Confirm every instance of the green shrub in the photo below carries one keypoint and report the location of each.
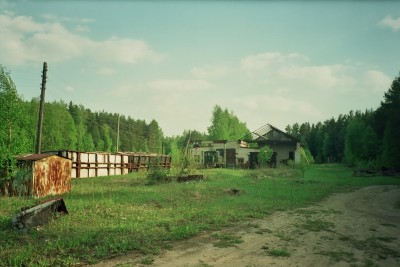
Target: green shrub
(158, 176)
(264, 156)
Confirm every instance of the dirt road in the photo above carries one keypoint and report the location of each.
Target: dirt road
(361, 228)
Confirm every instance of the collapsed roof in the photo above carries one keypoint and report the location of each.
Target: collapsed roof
(269, 134)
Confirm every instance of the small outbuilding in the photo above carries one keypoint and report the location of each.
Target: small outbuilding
(40, 175)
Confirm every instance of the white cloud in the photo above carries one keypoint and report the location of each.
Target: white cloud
(53, 18)
(264, 60)
(390, 22)
(25, 40)
(289, 88)
(78, 24)
(129, 90)
(258, 110)
(81, 28)
(121, 50)
(209, 71)
(106, 71)
(292, 72)
(179, 85)
(321, 77)
(267, 104)
(69, 89)
(377, 81)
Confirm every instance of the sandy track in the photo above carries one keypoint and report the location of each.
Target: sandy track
(361, 228)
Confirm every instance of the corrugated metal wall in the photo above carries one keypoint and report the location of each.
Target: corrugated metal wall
(41, 175)
(52, 176)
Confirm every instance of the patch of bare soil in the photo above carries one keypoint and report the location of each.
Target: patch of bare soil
(361, 228)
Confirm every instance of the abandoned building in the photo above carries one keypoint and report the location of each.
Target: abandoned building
(243, 153)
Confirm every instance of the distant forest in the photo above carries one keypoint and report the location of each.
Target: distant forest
(74, 127)
(369, 138)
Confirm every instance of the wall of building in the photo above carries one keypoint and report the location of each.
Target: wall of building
(23, 182)
(283, 151)
(242, 152)
(42, 175)
(52, 176)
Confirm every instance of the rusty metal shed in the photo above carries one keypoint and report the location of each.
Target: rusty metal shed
(40, 175)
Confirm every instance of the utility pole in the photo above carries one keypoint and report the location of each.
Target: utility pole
(41, 109)
(187, 144)
(118, 132)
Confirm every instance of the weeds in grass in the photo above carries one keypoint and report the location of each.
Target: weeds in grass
(263, 231)
(279, 253)
(317, 226)
(339, 255)
(226, 240)
(203, 264)
(369, 263)
(253, 225)
(377, 249)
(389, 225)
(148, 260)
(345, 238)
(330, 211)
(397, 204)
(386, 239)
(109, 216)
(158, 176)
(126, 264)
(305, 212)
(374, 246)
(283, 236)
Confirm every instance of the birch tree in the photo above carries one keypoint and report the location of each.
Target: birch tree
(13, 138)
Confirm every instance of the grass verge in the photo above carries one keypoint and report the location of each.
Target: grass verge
(111, 216)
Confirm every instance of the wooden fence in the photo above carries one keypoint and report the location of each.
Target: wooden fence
(93, 164)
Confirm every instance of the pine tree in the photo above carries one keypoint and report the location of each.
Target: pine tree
(389, 112)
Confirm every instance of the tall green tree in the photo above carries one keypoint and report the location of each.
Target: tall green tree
(388, 119)
(226, 126)
(32, 108)
(80, 117)
(361, 143)
(59, 130)
(353, 152)
(219, 124)
(106, 140)
(154, 137)
(13, 139)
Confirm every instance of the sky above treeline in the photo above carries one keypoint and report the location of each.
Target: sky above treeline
(276, 62)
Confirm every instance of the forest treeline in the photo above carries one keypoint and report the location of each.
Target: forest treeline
(358, 138)
(369, 139)
(74, 127)
(68, 126)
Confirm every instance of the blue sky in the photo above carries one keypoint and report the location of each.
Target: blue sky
(276, 62)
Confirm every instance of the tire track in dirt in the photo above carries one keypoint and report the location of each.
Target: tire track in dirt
(360, 228)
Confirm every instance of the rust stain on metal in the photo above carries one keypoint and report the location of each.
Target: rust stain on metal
(42, 175)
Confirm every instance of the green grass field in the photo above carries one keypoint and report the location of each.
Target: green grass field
(111, 216)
